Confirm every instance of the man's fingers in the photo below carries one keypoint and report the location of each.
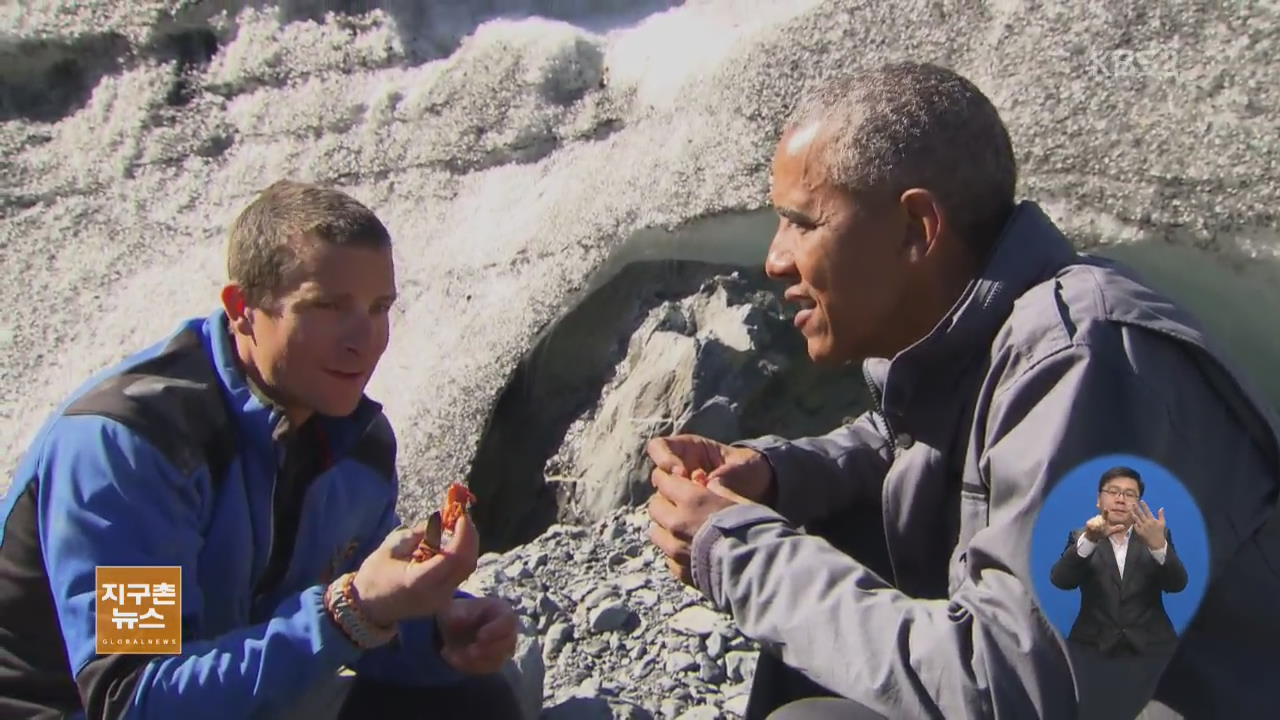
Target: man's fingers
(670, 545)
(680, 571)
(464, 546)
(402, 541)
(717, 487)
(675, 488)
(663, 456)
(667, 516)
(497, 629)
(1118, 527)
(1162, 515)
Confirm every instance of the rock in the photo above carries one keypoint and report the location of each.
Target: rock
(629, 711)
(740, 666)
(484, 581)
(613, 615)
(697, 620)
(715, 645)
(526, 673)
(737, 705)
(518, 571)
(559, 634)
(587, 688)
(580, 590)
(548, 607)
(731, 690)
(537, 560)
(580, 708)
(709, 671)
(632, 581)
(599, 595)
(702, 712)
(669, 707)
(595, 647)
(679, 661)
(644, 597)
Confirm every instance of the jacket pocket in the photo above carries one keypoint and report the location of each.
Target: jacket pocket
(975, 504)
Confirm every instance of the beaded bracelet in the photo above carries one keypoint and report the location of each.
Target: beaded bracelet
(343, 604)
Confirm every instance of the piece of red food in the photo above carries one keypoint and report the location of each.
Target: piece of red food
(458, 499)
(456, 502)
(700, 476)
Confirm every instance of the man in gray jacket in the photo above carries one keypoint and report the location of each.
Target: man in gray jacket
(998, 360)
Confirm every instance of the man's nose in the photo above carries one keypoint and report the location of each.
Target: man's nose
(358, 333)
(780, 263)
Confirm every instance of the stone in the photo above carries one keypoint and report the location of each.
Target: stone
(737, 705)
(538, 560)
(679, 661)
(526, 673)
(715, 645)
(548, 607)
(696, 620)
(518, 571)
(644, 597)
(595, 647)
(587, 688)
(629, 711)
(701, 712)
(709, 671)
(632, 581)
(599, 595)
(740, 666)
(557, 636)
(612, 615)
(580, 708)
(579, 590)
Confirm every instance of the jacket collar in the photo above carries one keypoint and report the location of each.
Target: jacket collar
(1030, 249)
(259, 419)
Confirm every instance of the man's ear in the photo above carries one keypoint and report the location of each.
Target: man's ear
(235, 304)
(925, 222)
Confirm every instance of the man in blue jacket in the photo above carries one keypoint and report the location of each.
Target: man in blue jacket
(243, 450)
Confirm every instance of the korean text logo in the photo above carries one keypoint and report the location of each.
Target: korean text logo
(139, 610)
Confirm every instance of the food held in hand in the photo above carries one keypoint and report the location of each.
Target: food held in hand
(700, 476)
(457, 500)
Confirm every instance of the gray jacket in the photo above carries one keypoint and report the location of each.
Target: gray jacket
(1049, 359)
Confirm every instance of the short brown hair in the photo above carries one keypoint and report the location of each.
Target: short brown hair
(264, 239)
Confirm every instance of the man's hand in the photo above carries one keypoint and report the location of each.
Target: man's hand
(1096, 529)
(679, 509)
(1149, 527)
(479, 634)
(744, 471)
(391, 588)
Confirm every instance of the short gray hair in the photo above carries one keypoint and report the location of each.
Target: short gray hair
(918, 125)
(263, 246)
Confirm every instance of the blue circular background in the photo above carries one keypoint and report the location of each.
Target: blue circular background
(1074, 500)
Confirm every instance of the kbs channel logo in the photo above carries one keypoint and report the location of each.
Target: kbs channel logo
(139, 610)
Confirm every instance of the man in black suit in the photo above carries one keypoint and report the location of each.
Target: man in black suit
(1122, 561)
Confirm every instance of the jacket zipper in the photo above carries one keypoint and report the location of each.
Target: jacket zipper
(271, 527)
(876, 401)
(893, 448)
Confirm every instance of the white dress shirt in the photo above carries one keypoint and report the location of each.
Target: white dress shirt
(1120, 547)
